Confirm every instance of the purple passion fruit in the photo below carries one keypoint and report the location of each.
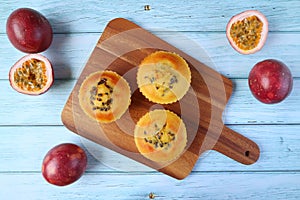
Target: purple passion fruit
(270, 81)
(64, 164)
(29, 31)
(32, 75)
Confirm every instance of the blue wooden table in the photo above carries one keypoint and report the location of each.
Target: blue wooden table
(31, 125)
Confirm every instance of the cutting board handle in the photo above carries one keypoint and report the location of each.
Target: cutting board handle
(237, 147)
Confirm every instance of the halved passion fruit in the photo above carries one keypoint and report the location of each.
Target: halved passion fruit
(32, 74)
(247, 31)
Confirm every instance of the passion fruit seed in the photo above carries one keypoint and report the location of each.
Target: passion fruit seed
(151, 195)
(163, 79)
(101, 95)
(162, 138)
(247, 33)
(31, 76)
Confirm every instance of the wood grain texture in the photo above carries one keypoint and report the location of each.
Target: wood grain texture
(126, 44)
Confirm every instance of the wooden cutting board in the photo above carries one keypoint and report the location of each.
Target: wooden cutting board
(121, 48)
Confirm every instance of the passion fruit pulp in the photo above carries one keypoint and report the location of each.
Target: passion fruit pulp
(32, 75)
(247, 31)
(29, 31)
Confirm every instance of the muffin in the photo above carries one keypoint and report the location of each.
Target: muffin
(163, 77)
(104, 96)
(160, 135)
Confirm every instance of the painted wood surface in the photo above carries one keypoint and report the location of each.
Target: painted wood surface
(278, 151)
(138, 186)
(92, 15)
(221, 57)
(30, 126)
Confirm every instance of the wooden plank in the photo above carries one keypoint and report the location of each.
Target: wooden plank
(22, 149)
(197, 15)
(46, 109)
(69, 52)
(245, 108)
(138, 186)
(37, 110)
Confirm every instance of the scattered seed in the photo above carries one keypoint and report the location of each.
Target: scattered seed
(147, 7)
(151, 195)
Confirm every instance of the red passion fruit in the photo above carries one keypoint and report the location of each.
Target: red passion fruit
(32, 75)
(29, 31)
(270, 81)
(247, 31)
(64, 164)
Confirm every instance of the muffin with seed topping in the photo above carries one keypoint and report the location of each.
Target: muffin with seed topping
(104, 96)
(163, 77)
(160, 135)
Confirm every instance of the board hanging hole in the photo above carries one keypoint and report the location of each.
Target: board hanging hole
(247, 153)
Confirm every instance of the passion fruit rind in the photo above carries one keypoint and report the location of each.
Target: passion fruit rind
(166, 79)
(247, 31)
(104, 96)
(32, 75)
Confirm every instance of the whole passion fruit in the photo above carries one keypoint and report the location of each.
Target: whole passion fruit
(64, 164)
(29, 31)
(270, 81)
(247, 31)
(32, 74)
